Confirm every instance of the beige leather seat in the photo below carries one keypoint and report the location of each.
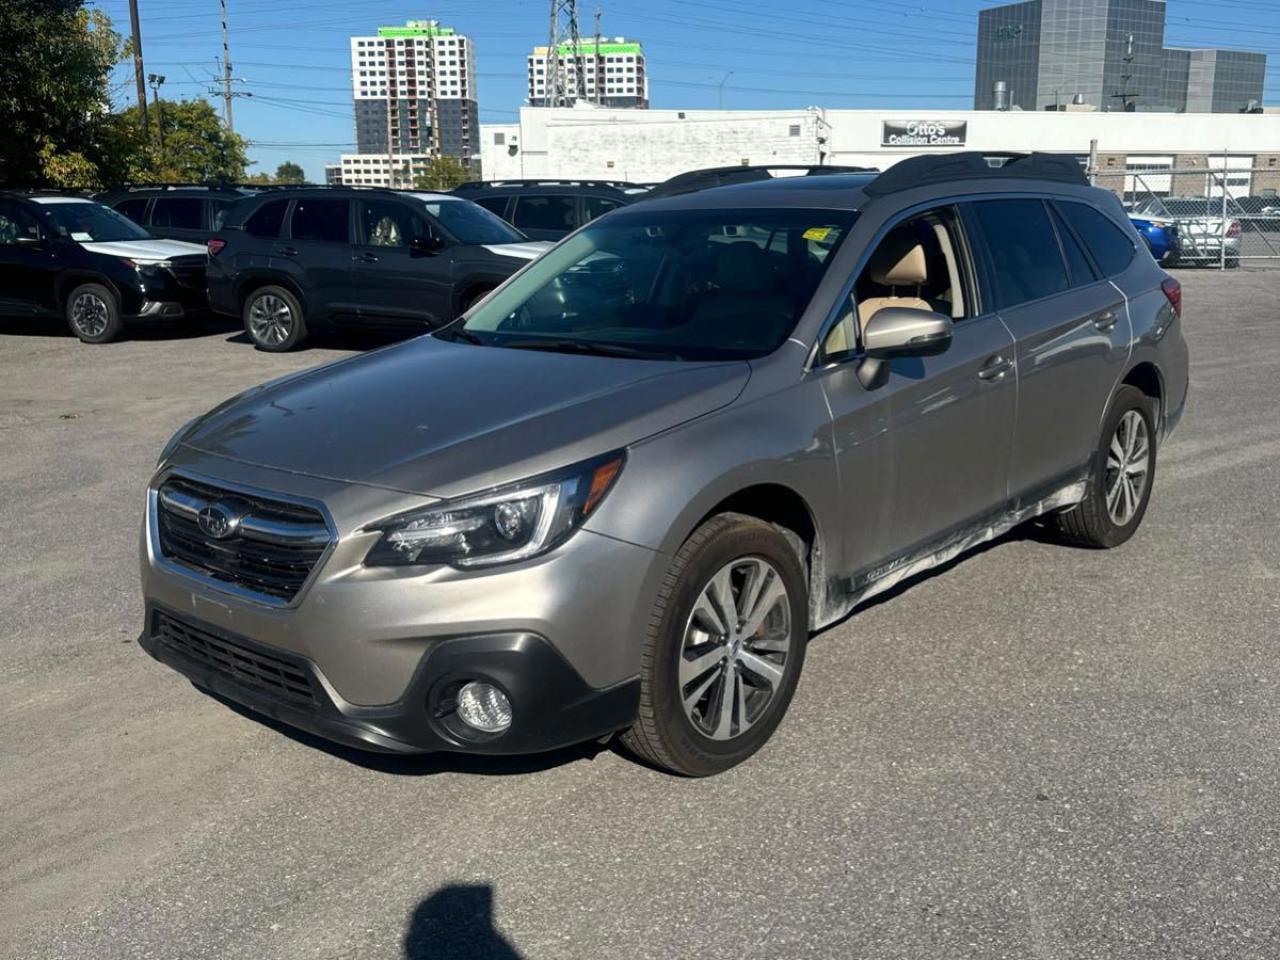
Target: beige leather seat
(899, 262)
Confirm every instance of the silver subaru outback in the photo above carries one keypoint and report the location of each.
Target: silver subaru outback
(620, 494)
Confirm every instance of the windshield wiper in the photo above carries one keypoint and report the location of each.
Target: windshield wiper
(590, 346)
(461, 333)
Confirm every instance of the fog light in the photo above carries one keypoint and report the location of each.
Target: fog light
(484, 707)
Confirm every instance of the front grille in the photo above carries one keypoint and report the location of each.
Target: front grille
(272, 553)
(276, 674)
(189, 271)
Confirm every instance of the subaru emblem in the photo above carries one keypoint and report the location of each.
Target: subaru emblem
(221, 520)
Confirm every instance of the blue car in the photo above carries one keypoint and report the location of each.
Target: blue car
(1161, 239)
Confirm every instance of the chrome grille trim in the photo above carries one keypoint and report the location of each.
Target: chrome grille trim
(281, 545)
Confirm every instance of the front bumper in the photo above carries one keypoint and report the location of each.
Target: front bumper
(160, 310)
(552, 705)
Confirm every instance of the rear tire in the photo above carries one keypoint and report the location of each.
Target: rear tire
(723, 650)
(1121, 478)
(273, 319)
(93, 313)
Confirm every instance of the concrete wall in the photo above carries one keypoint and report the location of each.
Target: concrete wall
(655, 144)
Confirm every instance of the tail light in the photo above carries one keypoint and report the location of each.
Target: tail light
(1173, 291)
(215, 246)
(1234, 229)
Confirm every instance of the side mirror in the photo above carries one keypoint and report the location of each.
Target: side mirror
(33, 242)
(426, 246)
(894, 332)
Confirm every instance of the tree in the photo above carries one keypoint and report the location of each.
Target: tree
(54, 91)
(445, 173)
(290, 172)
(189, 144)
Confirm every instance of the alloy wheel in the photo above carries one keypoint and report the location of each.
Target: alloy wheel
(90, 314)
(736, 645)
(270, 319)
(1128, 466)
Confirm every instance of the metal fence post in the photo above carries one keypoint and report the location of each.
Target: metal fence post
(1222, 247)
(1093, 164)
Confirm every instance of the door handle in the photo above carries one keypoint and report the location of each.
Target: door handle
(366, 258)
(995, 368)
(1106, 320)
(287, 251)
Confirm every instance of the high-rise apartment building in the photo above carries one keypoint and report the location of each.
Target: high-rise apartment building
(415, 100)
(1038, 54)
(612, 73)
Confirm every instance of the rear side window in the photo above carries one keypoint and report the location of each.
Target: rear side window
(1111, 247)
(185, 213)
(266, 221)
(321, 220)
(1024, 258)
(545, 213)
(134, 209)
(219, 209)
(496, 205)
(1077, 263)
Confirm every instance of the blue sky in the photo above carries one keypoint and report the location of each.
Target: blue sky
(294, 58)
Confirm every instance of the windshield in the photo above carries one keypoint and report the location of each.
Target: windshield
(92, 222)
(472, 223)
(686, 284)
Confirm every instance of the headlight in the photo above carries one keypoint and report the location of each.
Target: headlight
(511, 523)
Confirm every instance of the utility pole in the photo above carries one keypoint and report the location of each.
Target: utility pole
(599, 64)
(720, 87)
(156, 79)
(226, 70)
(137, 63)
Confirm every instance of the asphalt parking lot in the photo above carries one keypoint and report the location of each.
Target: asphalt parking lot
(1037, 752)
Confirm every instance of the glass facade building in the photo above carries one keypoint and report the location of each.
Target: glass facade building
(1108, 53)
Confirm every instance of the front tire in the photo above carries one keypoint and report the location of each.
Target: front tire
(1121, 477)
(273, 319)
(724, 648)
(93, 313)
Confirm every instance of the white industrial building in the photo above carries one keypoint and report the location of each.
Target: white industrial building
(652, 145)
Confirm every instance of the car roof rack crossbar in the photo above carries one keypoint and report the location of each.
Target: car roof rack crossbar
(542, 182)
(923, 170)
(695, 180)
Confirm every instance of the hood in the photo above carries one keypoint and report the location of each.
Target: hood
(144, 251)
(443, 419)
(525, 250)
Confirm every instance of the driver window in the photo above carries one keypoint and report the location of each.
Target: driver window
(16, 223)
(916, 266)
(386, 224)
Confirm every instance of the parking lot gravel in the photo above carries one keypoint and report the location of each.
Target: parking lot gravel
(1037, 752)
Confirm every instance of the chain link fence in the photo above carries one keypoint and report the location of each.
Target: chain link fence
(1223, 214)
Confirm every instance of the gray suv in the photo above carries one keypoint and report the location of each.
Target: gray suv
(620, 493)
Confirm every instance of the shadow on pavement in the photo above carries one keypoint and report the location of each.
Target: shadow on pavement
(56, 328)
(456, 922)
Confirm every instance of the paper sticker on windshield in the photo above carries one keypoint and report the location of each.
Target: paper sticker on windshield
(79, 237)
(817, 234)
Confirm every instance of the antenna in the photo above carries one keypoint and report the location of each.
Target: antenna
(599, 63)
(1124, 94)
(564, 32)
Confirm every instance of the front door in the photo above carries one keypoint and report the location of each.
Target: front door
(400, 275)
(924, 455)
(28, 263)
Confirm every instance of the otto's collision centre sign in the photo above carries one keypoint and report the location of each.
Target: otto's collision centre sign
(923, 133)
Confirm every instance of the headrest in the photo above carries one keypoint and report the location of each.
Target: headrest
(741, 267)
(899, 262)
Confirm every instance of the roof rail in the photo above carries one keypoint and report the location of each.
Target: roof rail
(695, 180)
(922, 170)
(541, 182)
(209, 187)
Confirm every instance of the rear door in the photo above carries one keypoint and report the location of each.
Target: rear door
(548, 216)
(1072, 334)
(135, 208)
(398, 278)
(179, 218)
(317, 251)
(28, 266)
